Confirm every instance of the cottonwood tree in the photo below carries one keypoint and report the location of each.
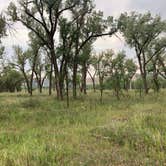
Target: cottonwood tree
(20, 62)
(139, 31)
(92, 71)
(28, 62)
(34, 58)
(130, 71)
(85, 63)
(65, 51)
(117, 72)
(40, 71)
(156, 52)
(88, 26)
(103, 68)
(38, 60)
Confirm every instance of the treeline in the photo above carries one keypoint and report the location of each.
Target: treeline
(61, 40)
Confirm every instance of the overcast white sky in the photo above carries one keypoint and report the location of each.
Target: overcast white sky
(110, 8)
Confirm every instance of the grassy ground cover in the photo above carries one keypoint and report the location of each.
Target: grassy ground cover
(41, 131)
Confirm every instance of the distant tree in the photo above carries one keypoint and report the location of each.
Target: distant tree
(40, 71)
(130, 71)
(92, 71)
(121, 72)
(38, 60)
(138, 85)
(10, 80)
(103, 67)
(118, 73)
(140, 30)
(21, 62)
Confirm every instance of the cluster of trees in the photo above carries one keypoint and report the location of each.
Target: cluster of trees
(77, 25)
(62, 34)
(120, 72)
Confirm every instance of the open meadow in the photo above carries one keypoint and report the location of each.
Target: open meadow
(82, 83)
(40, 130)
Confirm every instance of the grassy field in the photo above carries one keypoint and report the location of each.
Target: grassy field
(40, 131)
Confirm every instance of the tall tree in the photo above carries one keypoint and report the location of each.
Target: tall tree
(89, 26)
(140, 30)
(156, 51)
(85, 62)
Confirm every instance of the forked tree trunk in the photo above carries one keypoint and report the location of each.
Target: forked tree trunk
(93, 80)
(143, 74)
(56, 73)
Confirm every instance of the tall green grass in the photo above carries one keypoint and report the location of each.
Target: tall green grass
(40, 130)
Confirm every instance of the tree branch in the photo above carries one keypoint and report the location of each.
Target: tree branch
(95, 36)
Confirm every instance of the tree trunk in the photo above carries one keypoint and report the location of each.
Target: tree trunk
(157, 86)
(117, 93)
(101, 95)
(29, 88)
(61, 85)
(101, 79)
(40, 88)
(84, 75)
(67, 88)
(143, 74)
(50, 81)
(93, 80)
(94, 85)
(155, 79)
(145, 83)
(75, 80)
(56, 73)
